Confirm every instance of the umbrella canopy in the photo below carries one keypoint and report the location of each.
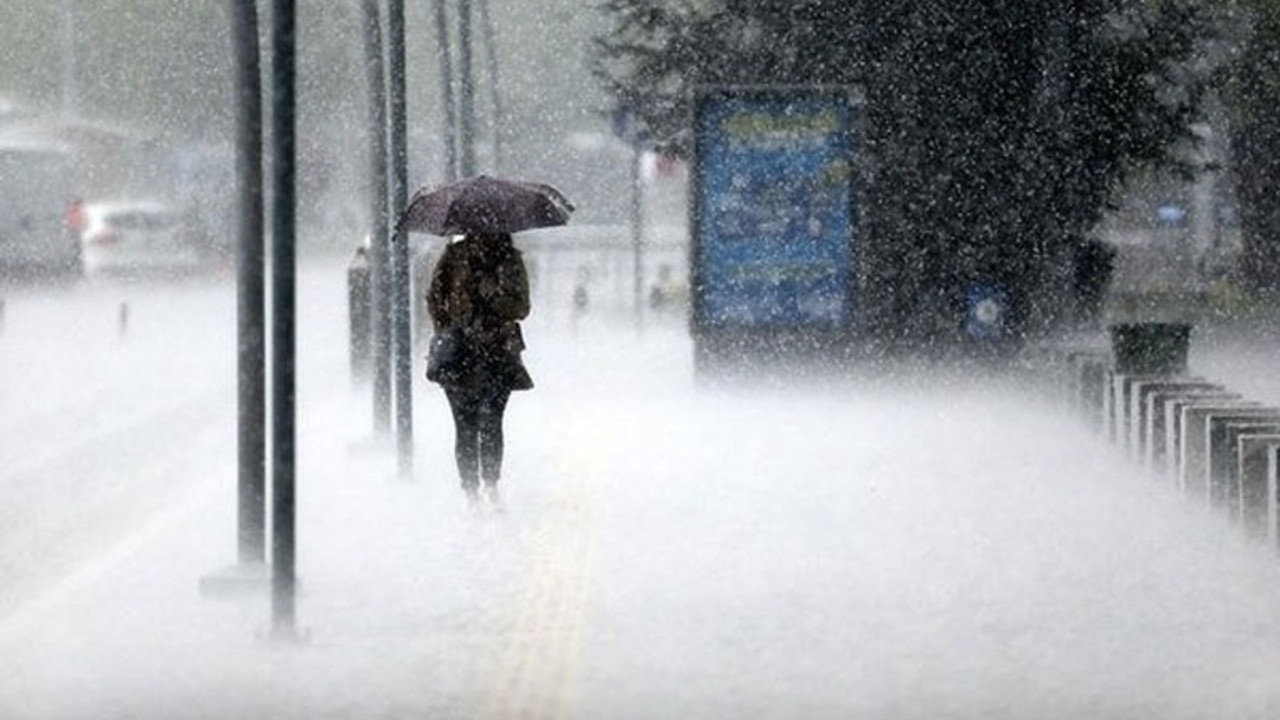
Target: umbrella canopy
(485, 204)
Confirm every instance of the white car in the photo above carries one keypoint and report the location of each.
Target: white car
(136, 238)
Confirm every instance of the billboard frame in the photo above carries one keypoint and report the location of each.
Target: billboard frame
(717, 340)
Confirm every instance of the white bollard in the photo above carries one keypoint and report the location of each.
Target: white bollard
(1252, 453)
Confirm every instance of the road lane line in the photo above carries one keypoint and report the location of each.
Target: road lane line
(535, 677)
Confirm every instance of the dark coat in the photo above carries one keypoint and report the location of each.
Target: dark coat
(480, 287)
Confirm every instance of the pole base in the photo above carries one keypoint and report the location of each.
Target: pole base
(237, 581)
(285, 635)
(380, 443)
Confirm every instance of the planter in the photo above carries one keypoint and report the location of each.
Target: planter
(1150, 348)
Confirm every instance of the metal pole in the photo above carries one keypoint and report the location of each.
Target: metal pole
(466, 94)
(495, 96)
(70, 59)
(637, 232)
(445, 60)
(250, 309)
(401, 314)
(283, 336)
(380, 270)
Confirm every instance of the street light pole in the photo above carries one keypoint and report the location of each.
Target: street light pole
(284, 301)
(466, 94)
(70, 59)
(251, 310)
(400, 282)
(495, 94)
(380, 270)
(637, 231)
(445, 61)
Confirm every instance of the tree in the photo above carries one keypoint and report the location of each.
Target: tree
(1252, 90)
(998, 131)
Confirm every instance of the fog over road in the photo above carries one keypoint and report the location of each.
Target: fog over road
(924, 545)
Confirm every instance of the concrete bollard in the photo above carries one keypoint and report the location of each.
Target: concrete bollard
(1194, 476)
(1174, 434)
(1246, 476)
(1123, 415)
(1139, 414)
(1252, 453)
(1273, 497)
(1159, 412)
(360, 316)
(1225, 432)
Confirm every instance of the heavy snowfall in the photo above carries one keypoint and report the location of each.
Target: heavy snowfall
(905, 515)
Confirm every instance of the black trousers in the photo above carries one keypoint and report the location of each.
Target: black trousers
(478, 442)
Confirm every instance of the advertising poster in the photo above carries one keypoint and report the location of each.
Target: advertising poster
(773, 209)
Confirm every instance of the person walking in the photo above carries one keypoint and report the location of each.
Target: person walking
(479, 293)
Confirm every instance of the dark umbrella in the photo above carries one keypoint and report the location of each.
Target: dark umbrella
(485, 205)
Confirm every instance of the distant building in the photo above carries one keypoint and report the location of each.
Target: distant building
(1175, 235)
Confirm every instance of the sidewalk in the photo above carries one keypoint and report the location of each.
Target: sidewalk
(932, 549)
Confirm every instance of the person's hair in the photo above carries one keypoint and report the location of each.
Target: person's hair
(491, 237)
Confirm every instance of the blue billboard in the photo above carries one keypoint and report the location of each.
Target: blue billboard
(773, 209)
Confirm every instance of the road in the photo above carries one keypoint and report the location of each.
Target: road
(115, 397)
(919, 545)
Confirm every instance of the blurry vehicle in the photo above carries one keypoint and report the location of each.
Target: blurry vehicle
(37, 190)
(134, 238)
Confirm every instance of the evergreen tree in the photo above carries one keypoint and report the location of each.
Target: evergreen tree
(1253, 92)
(998, 130)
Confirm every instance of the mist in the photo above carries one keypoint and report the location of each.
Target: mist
(892, 545)
(917, 525)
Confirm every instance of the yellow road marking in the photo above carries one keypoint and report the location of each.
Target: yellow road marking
(535, 678)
